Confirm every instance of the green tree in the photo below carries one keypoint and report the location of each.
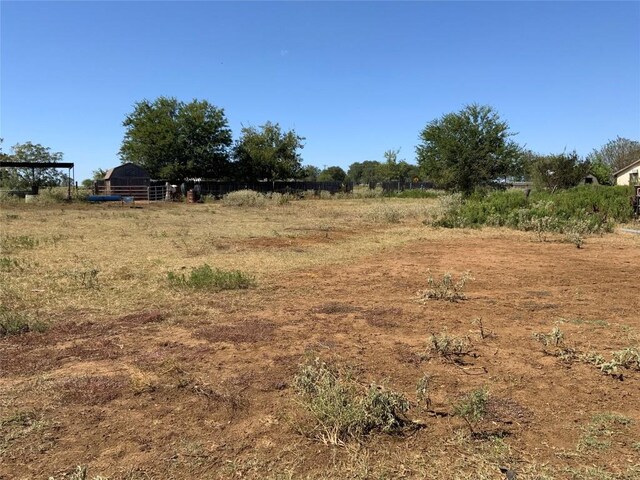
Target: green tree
(389, 169)
(332, 174)
(471, 148)
(176, 140)
(408, 172)
(617, 153)
(309, 173)
(553, 172)
(369, 171)
(98, 174)
(602, 171)
(26, 177)
(268, 153)
(394, 170)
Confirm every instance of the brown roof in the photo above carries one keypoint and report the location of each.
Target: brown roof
(631, 165)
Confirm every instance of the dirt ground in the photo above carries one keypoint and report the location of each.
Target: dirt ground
(199, 384)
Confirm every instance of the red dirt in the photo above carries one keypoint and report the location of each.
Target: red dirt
(156, 395)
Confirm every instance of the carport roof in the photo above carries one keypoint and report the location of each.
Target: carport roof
(37, 164)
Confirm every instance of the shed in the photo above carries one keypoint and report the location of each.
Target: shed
(127, 179)
(589, 180)
(628, 175)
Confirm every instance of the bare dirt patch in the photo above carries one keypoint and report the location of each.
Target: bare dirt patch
(136, 380)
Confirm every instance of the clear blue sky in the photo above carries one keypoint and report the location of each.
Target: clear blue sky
(354, 78)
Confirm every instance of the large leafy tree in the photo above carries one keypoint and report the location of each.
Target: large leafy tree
(177, 140)
(616, 154)
(267, 153)
(471, 148)
(27, 177)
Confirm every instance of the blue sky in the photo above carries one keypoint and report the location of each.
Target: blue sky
(354, 78)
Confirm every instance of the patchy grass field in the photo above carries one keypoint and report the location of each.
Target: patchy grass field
(108, 362)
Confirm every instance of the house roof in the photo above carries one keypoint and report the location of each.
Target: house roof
(623, 169)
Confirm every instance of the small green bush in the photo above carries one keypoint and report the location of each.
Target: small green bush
(472, 407)
(205, 277)
(446, 289)
(15, 323)
(448, 346)
(342, 409)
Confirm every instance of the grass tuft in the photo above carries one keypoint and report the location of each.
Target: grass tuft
(344, 410)
(448, 346)
(80, 473)
(15, 323)
(448, 288)
(601, 428)
(205, 277)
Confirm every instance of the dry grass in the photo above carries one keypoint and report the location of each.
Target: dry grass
(164, 382)
(108, 259)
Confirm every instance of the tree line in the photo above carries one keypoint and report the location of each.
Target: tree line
(460, 151)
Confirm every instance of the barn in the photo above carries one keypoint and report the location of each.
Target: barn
(127, 179)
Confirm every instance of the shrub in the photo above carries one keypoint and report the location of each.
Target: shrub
(342, 409)
(14, 323)
(279, 198)
(366, 192)
(448, 346)
(582, 210)
(205, 277)
(422, 391)
(446, 289)
(472, 407)
(416, 193)
(384, 214)
(555, 338)
(244, 198)
(628, 358)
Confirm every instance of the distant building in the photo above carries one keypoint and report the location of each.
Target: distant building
(127, 179)
(589, 180)
(127, 174)
(628, 175)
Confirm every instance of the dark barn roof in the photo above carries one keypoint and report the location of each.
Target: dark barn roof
(126, 170)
